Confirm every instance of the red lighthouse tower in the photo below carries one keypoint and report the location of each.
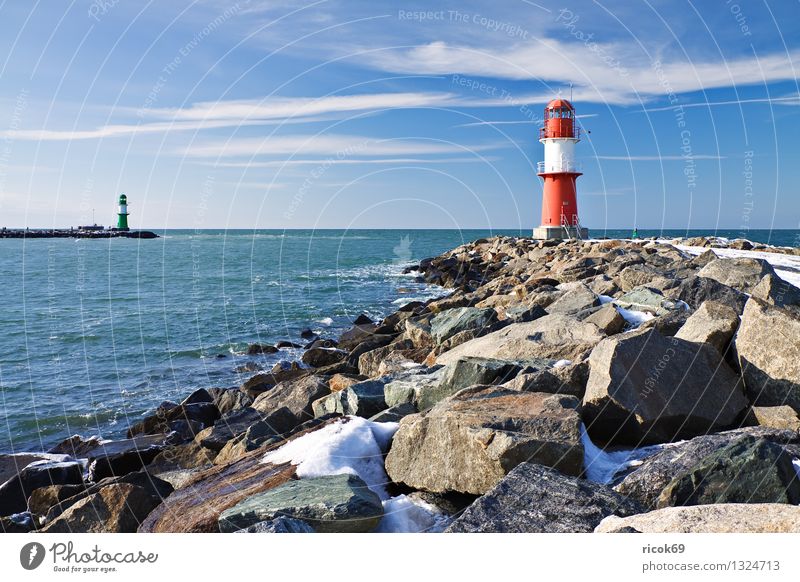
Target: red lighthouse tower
(559, 172)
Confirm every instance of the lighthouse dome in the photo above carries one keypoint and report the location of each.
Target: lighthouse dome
(560, 103)
(123, 199)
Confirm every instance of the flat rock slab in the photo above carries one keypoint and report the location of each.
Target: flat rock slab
(279, 525)
(14, 493)
(555, 336)
(468, 442)
(537, 499)
(332, 504)
(452, 321)
(743, 274)
(645, 388)
(197, 505)
(721, 518)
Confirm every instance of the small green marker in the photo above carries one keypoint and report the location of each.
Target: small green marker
(122, 220)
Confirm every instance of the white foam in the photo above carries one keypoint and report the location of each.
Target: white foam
(325, 321)
(602, 466)
(351, 445)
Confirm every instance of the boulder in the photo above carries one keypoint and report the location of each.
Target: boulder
(646, 482)
(229, 426)
(75, 446)
(15, 491)
(634, 276)
(608, 320)
(743, 274)
(723, 518)
(296, 395)
(775, 291)
(412, 386)
(647, 300)
(229, 399)
(555, 336)
(418, 330)
(713, 323)
(570, 379)
(466, 372)
(695, 290)
(356, 335)
(363, 399)
(339, 382)
(198, 415)
(270, 427)
(260, 383)
(333, 503)
(668, 324)
(118, 508)
(183, 456)
(321, 357)
(44, 498)
(533, 499)
(576, 299)
(780, 417)
(258, 349)
(279, 525)
(748, 470)
(645, 388)
(768, 348)
(286, 344)
(394, 413)
(521, 313)
(468, 442)
(452, 321)
(369, 363)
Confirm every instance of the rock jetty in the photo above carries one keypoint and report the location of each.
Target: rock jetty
(576, 386)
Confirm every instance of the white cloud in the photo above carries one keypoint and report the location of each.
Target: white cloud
(660, 158)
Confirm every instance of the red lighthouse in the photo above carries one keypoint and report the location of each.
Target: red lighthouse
(559, 172)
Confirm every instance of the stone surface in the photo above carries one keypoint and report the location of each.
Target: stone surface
(780, 417)
(647, 300)
(576, 299)
(775, 291)
(260, 383)
(279, 525)
(118, 508)
(555, 336)
(363, 399)
(334, 503)
(722, 518)
(229, 426)
(646, 482)
(295, 395)
(768, 346)
(320, 357)
(748, 470)
(15, 491)
(468, 442)
(645, 388)
(339, 382)
(537, 499)
(695, 290)
(166, 419)
(608, 319)
(452, 321)
(743, 274)
(714, 323)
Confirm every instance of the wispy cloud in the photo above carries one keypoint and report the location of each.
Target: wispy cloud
(660, 158)
(359, 161)
(788, 100)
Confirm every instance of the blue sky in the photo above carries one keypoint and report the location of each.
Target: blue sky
(364, 114)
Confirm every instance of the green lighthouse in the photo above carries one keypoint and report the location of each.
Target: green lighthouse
(122, 220)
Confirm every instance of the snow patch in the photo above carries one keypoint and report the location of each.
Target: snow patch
(351, 445)
(602, 466)
(605, 299)
(562, 363)
(796, 463)
(635, 318)
(405, 514)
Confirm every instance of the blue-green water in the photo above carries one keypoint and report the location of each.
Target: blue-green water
(96, 333)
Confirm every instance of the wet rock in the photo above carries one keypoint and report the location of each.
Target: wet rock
(261, 383)
(15, 491)
(743, 274)
(75, 446)
(307, 334)
(769, 354)
(645, 388)
(196, 415)
(229, 399)
(118, 508)
(722, 518)
(322, 343)
(320, 357)
(468, 442)
(335, 503)
(748, 470)
(452, 321)
(258, 349)
(286, 344)
(646, 482)
(555, 336)
(537, 499)
(713, 323)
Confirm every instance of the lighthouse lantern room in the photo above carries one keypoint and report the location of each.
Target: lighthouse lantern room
(559, 172)
(122, 215)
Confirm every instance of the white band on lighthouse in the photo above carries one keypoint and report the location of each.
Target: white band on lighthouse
(123, 209)
(559, 155)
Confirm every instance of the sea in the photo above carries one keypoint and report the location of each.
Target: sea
(97, 333)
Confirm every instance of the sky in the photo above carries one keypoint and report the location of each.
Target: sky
(376, 114)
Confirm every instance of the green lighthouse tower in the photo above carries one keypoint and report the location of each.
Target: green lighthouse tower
(122, 220)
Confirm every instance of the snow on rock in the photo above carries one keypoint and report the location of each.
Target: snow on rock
(407, 514)
(562, 363)
(351, 445)
(602, 466)
(786, 266)
(796, 463)
(633, 317)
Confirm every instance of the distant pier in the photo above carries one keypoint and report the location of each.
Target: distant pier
(80, 232)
